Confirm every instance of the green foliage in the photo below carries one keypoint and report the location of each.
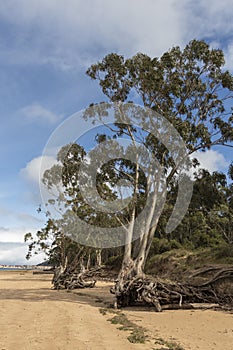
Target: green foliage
(224, 251)
(170, 345)
(161, 245)
(114, 261)
(179, 264)
(209, 220)
(137, 333)
(42, 242)
(137, 336)
(189, 87)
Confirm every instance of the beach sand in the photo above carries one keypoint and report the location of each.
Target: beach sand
(33, 316)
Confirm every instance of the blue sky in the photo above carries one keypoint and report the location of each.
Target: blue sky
(45, 49)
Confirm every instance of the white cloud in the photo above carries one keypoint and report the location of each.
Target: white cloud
(13, 249)
(229, 56)
(14, 253)
(17, 217)
(211, 160)
(14, 234)
(33, 174)
(208, 19)
(36, 167)
(74, 32)
(37, 113)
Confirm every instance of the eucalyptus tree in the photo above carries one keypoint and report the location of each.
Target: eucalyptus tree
(192, 90)
(50, 241)
(168, 108)
(208, 221)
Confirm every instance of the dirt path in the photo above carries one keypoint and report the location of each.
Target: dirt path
(35, 317)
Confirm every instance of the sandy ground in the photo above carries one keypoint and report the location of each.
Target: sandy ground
(35, 317)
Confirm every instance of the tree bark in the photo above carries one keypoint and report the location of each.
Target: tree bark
(98, 257)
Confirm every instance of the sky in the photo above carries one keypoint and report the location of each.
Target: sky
(45, 49)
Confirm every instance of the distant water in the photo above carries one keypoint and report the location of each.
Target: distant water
(14, 269)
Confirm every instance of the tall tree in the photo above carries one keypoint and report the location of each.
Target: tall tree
(192, 90)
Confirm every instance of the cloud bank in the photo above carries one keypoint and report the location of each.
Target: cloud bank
(14, 254)
(70, 35)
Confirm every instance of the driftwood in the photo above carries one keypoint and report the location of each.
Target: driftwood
(80, 278)
(71, 280)
(160, 293)
(156, 292)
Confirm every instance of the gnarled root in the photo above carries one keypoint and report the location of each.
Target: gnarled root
(158, 293)
(66, 280)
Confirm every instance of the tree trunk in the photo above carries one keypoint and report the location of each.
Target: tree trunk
(60, 270)
(88, 261)
(74, 275)
(134, 262)
(99, 257)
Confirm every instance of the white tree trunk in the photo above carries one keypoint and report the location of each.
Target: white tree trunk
(99, 257)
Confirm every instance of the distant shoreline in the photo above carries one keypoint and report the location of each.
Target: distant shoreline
(25, 268)
(16, 268)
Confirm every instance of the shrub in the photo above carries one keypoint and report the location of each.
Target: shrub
(162, 245)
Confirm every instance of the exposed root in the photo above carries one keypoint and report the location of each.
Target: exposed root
(73, 279)
(158, 293)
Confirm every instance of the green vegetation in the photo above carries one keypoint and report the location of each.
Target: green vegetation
(169, 345)
(179, 263)
(137, 333)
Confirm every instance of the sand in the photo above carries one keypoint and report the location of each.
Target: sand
(33, 316)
